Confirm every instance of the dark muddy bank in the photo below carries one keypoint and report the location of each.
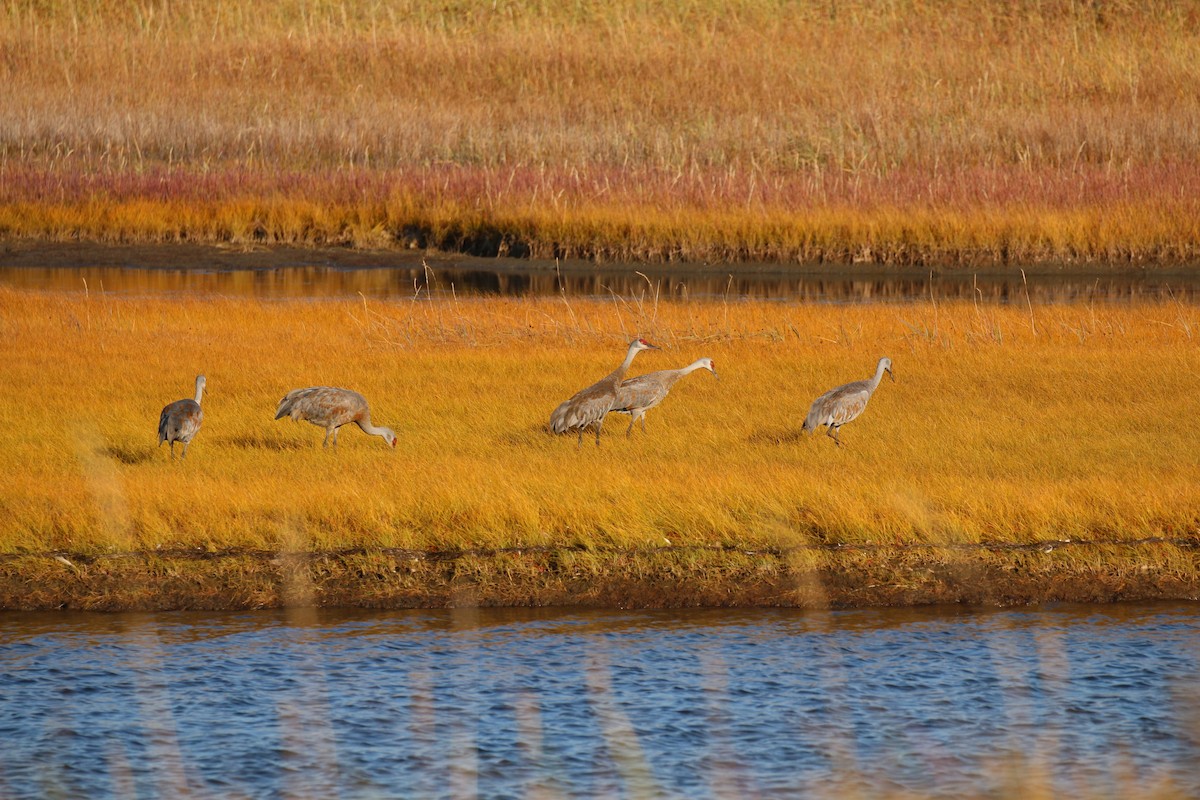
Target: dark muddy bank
(997, 575)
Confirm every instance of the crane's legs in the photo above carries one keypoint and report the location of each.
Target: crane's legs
(832, 430)
(634, 418)
(582, 428)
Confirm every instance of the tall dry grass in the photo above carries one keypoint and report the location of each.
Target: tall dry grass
(897, 131)
(1006, 423)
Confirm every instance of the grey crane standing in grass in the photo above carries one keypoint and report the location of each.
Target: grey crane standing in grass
(330, 408)
(179, 421)
(838, 406)
(638, 395)
(589, 406)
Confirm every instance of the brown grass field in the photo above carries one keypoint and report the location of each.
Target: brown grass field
(955, 133)
(1036, 427)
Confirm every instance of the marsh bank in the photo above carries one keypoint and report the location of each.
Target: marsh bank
(669, 577)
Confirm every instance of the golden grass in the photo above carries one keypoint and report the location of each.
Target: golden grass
(1006, 423)
(851, 131)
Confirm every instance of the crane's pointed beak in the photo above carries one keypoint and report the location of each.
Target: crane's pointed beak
(891, 375)
(715, 375)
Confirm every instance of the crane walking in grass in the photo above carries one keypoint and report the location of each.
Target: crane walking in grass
(838, 406)
(589, 406)
(638, 395)
(179, 421)
(331, 408)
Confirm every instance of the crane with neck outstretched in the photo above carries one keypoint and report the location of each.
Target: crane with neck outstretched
(330, 408)
(588, 407)
(180, 421)
(842, 404)
(636, 396)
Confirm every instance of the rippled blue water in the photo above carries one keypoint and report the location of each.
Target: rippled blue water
(1084, 701)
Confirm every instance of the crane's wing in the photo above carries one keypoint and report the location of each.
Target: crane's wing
(644, 391)
(188, 420)
(839, 405)
(179, 420)
(324, 403)
(582, 408)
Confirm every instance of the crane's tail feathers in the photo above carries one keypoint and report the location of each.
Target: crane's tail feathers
(288, 405)
(284, 409)
(558, 419)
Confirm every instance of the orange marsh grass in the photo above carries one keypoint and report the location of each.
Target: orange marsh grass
(1146, 231)
(1006, 423)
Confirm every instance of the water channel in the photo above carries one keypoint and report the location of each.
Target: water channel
(466, 277)
(1071, 701)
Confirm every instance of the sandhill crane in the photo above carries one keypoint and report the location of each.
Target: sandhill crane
(179, 421)
(838, 406)
(638, 395)
(331, 408)
(588, 406)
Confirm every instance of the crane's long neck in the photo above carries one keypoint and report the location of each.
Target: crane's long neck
(878, 376)
(200, 392)
(673, 375)
(620, 371)
(368, 428)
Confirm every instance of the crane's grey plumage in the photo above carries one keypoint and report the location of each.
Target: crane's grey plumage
(589, 406)
(179, 421)
(838, 406)
(638, 395)
(330, 408)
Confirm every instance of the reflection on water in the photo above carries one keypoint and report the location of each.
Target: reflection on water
(1074, 701)
(515, 281)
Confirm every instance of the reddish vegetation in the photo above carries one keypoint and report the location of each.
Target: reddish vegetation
(980, 215)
